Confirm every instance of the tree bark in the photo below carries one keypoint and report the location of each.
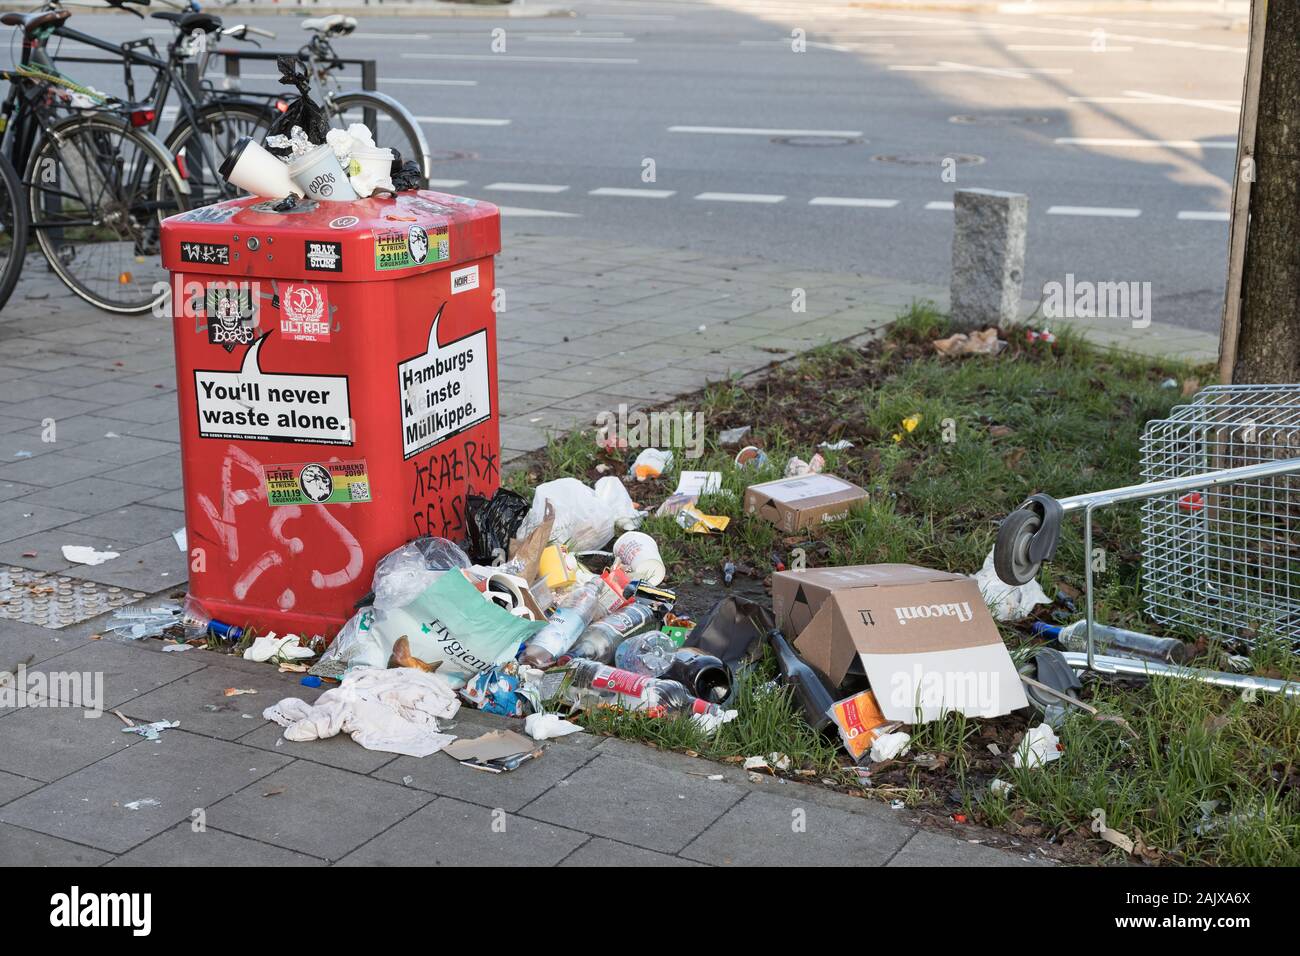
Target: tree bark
(1268, 347)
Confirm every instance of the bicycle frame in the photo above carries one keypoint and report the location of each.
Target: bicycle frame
(165, 78)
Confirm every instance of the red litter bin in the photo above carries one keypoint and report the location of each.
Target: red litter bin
(336, 376)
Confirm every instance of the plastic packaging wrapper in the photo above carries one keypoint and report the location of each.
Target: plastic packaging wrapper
(1040, 746)
(890, 746)
(449, 623)
(493, 522)
(546, 726)
(505, 690)
(1008, 602)
(405, 175)
(403, 573)
(270, 647)
(585, 518)
(302, 111)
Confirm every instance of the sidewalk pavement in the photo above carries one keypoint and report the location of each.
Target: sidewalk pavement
(225, 790)
(642, 325)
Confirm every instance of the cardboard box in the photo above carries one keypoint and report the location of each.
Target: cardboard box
(795, 503)
(925, 638)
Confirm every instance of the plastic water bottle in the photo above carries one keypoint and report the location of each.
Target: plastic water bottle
(649, 695)
(599, 641)
(1117, 640)
(579, 607)
(648, 654)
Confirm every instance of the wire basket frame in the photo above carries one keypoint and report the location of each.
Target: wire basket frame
(1225, 561)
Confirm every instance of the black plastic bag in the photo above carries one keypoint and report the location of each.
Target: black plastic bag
(302, 111)
(733, 630)
(493, 523)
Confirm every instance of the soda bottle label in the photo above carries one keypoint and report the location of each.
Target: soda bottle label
(560, 632)
(620, 681)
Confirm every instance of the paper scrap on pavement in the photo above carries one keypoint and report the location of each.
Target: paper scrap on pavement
(81, 554)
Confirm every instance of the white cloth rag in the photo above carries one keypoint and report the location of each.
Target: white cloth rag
(394, 710)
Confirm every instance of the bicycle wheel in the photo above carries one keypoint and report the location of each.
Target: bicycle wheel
(393, 125)
(97, 191)
(13, 229)
(222, 124)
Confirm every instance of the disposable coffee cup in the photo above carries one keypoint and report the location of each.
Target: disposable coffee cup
(375, 161)
(639, 553)
(256, 171)
(320, 175)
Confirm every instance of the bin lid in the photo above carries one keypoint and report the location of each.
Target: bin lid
(383, 237)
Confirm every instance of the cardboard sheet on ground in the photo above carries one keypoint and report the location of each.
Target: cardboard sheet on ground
(925, 638)
(491, 746)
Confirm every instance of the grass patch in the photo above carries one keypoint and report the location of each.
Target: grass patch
(1209, 778)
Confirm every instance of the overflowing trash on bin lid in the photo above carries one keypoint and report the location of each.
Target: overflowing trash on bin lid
(301, 157)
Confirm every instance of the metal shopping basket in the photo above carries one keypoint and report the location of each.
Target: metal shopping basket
(1220, 527)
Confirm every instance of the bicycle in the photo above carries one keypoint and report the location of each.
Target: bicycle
(370, 107)
(13, 230)
(97, 182)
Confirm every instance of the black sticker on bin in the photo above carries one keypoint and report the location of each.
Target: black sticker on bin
(205, 253)
(324, 256)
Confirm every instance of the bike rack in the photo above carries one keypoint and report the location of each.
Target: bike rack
(369, 73)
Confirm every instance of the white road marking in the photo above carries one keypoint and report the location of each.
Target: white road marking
(940, 205)
(515, 58)
(632, 193)
(526, 187)
(853, 201)
(741, 197)
(755, 131)
(1144, 143)
(1049, 48)
(519, 212)
(459, 120)
(561, 38)
(447, 183)
(1160, 25)
(945, 66)
(391, 36)
(630, 16)
(1203, 215)
(1103, 211)
(1182, 101)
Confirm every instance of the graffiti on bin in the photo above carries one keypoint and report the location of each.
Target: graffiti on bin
(467, 468)
(290, 554)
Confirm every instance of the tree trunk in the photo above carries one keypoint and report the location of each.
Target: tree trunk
(1268, 347)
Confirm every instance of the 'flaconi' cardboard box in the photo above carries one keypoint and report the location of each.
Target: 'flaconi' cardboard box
(795, 503)
(925, 638)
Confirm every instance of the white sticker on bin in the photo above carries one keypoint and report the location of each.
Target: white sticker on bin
(445, 390)
(462, 280)
(269, 406)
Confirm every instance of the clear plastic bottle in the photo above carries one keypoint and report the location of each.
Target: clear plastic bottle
(1118, 640)
(648, 654)
(650, 695)
(576, 612)
(599, 641)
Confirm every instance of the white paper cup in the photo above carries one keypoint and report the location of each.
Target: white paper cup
(320, 175)
(376, 161)
(256, 171)
(639, 553)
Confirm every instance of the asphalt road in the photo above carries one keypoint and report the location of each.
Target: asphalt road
(1119, 127)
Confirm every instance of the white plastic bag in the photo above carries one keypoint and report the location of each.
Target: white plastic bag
(1008, 602)
(585, 518)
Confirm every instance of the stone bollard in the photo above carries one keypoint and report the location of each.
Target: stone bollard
(988, 255)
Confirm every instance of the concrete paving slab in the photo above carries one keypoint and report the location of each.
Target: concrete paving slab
(181, 845)
(123, 800)
(767, 830)
(648, 806)
(322, 811)
(602, 852)
(126, 670)
(445, 776)
(339, 751)
(927, 848)
(448, 832)
(20, 847)
(46, 743)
